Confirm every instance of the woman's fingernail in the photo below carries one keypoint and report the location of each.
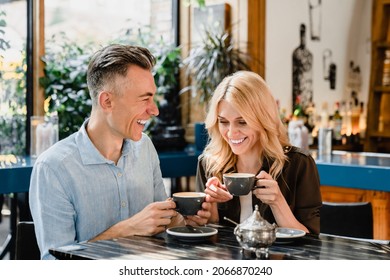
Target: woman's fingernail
(213, 188)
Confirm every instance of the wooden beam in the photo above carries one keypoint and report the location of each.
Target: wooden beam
(38, 52)
(256, 35)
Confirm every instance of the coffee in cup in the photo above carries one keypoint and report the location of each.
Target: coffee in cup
(239, 183)
(188, 203)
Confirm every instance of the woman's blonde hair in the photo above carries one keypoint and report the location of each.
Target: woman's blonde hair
(251, 96)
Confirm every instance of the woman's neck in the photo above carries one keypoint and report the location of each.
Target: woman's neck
(249, 164)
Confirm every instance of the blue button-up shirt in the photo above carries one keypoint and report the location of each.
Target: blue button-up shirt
(76, 193)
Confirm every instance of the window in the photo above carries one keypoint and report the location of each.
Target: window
(86, 25)
(13, 34)
(74, 30)
(101, 21)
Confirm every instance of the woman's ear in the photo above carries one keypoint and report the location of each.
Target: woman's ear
(105, 100)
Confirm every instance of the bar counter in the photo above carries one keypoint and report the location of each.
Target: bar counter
(369, 171)
(344, 176)
(358, 177)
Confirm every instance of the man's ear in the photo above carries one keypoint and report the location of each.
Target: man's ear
(105, 100)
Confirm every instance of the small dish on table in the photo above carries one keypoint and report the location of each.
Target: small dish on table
(288, 235)
(192, 234)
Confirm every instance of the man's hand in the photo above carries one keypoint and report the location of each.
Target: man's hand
(202, 216)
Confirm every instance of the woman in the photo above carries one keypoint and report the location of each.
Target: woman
(247, 135)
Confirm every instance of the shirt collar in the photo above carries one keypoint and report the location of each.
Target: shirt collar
(89, 153)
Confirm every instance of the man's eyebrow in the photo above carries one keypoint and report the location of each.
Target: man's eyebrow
(147, 94)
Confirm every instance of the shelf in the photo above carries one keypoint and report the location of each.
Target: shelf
(377, 134)
(347, 147)
(379, 98)
(382, 89)
(382, 45)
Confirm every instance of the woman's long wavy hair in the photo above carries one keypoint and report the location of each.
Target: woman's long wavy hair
(251, 96)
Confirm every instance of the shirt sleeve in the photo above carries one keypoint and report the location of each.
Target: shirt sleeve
(200, 179)
(52, 211)
(308, 199)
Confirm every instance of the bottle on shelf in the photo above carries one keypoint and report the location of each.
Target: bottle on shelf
(298, 134)
(380, 124)
(355, 119)
(316, 124)
(282, 114)
(348, 119)
(324, 132)
(337, 125)
(310, 113)
(324, 115)
(343, 113)
(299, 113)
(362, 121)
(346, 124)
(297, 130)
(386, 69)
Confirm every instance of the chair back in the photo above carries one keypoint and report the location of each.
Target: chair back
(347, 219)
(26, 242)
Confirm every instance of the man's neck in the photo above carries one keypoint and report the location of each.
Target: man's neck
(105, 142)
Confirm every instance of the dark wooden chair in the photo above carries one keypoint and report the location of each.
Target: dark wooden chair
(26, 242)
(347, 219)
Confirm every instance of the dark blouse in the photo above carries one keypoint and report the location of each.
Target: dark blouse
(299, 184)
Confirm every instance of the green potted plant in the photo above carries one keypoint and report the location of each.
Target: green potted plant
(166, 70)
(166, 130)
(206, 66)
(212, 60)
(66, 87)
(65, 84)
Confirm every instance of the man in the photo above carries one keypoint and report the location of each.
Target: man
(104, 181)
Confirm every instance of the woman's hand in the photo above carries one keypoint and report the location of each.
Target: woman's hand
(268, 192)
(217, 192)
(267, 189)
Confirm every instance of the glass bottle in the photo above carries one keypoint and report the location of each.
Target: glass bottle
(298, 110)
(362, 121)
(348, 119)
(324, 115)
(386, 69)
(337, 124)
(302, 64)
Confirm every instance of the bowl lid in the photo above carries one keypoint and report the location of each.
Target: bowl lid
(256, 222)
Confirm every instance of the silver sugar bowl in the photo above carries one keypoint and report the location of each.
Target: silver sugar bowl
(256, 234)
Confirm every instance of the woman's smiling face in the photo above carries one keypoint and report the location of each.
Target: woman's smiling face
(241, 138)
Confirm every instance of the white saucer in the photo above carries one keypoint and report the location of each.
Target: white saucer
(287, 235)
(192, 233)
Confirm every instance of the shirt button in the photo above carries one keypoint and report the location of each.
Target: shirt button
(123, 204)
(119, 174)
